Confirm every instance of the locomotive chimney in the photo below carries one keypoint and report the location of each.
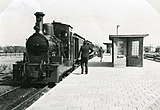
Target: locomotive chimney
(39, 22)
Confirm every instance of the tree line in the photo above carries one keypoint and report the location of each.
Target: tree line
(12, 49)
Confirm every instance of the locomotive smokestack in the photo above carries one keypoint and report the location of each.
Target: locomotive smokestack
(39, 22)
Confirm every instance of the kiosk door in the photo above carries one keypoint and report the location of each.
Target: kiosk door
(120, 59)
(134, 52)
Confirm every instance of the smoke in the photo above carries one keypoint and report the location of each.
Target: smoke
(31, 4)
(155, 4)
(4, 4)
(23, 5)
(17, 13)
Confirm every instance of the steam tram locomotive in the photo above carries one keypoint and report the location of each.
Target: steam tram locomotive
(50, 52)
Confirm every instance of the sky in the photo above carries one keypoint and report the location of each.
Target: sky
(94, 20)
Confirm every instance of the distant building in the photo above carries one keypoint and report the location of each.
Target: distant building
(108, 47)
(157, 49)
(149, 49)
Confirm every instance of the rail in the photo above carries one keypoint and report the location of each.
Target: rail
(20, 98)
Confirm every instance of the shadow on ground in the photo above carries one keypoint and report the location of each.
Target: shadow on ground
(77, 73)
(96, 64)
(100, 64)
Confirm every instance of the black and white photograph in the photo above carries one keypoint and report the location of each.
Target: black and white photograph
(79, 55)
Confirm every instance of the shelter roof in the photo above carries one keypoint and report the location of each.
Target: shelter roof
(127, 36)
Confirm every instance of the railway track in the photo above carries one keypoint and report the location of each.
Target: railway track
(20, 98)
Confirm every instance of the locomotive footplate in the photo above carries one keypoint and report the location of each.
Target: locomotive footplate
(40, 73)
(46, 72)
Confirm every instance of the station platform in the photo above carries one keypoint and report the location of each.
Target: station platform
(106, 88)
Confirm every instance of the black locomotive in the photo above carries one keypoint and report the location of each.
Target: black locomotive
(50, 52)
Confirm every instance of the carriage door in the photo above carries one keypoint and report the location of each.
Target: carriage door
(75, 48)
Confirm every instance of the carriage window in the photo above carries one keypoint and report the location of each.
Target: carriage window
(120, 48)
(44, 31)
(135, 48)
(64, 33)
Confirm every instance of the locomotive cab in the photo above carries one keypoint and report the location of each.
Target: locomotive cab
(64, 33)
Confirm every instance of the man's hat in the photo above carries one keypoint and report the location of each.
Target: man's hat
(85, 41)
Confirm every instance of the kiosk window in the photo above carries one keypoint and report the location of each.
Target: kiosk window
(135, 48)
(120, 45)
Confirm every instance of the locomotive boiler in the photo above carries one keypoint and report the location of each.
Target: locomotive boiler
(50, 52)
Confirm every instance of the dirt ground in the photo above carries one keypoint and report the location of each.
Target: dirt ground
(6, 62)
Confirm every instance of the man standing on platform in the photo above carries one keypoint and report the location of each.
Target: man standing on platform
(85, 50)
(100, 53)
